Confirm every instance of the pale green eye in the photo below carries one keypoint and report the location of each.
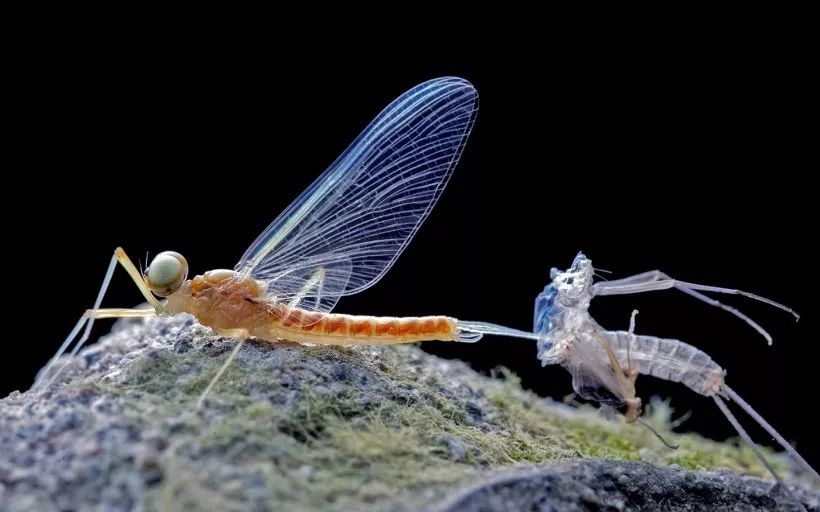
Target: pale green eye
(166, 273)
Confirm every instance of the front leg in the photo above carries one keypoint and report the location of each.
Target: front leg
(656, 280)
(89, 316)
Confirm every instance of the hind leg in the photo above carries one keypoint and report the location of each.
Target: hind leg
(770, 429)
(748, 440)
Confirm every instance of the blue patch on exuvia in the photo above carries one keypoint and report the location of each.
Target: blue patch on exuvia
(544, 309)
(576, 263)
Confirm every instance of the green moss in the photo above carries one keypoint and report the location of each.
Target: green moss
(358, 444)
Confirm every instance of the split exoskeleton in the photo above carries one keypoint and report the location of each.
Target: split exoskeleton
(605, 364)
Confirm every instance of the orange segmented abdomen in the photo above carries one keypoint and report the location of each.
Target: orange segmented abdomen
(297, 324)
(379, 329)
(442, 325)
(414, 328)
(335, 325)
(408, 327)
(300, 318)
(384, 326)
(361, 327)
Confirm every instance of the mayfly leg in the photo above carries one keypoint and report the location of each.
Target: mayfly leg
(770, 429)
(634, 374)
(747, 439)
(751, 444)
(90, 315)
(241, 335)
(129, 267)
(82, 321)
(119, 313)
(657, 280)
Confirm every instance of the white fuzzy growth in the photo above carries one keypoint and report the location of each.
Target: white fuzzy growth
(164, 269)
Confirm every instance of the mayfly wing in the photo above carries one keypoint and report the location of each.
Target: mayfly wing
(587, 385)
(347, 228)
(593, 375)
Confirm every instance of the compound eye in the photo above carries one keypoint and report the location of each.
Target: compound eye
(166, 273)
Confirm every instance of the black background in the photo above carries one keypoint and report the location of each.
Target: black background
(696, 161)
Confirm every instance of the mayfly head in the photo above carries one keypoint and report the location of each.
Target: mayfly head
(573, 285)
(166, 273)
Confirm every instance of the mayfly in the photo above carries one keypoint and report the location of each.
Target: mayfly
(605, 364)
(339, 237)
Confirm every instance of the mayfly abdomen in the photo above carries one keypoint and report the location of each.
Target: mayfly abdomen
(360, 330)
(413, 326)
(668, 359)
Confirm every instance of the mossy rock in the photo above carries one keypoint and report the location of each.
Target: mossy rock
(291, 427)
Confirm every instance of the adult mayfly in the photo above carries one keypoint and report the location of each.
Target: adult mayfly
(339, 237)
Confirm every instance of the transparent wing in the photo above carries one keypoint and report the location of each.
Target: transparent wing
(588, 386)
(593, 376)
(348, 227)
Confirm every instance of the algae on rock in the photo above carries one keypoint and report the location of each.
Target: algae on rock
(291, 427)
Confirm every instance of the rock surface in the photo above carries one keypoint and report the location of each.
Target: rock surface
(291, 427)
(621, 485)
